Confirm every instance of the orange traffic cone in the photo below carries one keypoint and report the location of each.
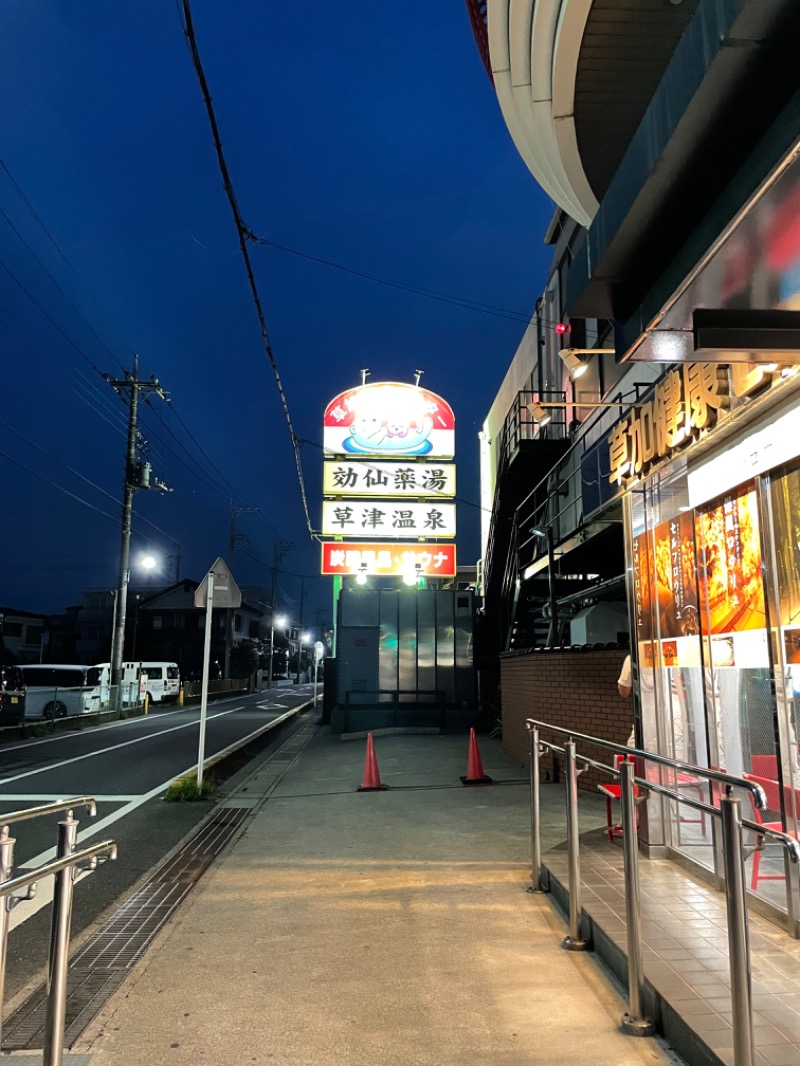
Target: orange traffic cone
(475, 774)
(372, 777)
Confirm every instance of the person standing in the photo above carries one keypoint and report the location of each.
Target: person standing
(625, 688)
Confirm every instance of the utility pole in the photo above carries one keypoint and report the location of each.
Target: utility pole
(137, 476)
(281, 548)
(233, 537)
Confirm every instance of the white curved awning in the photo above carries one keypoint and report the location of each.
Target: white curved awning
(534, 47)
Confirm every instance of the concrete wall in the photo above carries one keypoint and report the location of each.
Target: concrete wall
(576, 690)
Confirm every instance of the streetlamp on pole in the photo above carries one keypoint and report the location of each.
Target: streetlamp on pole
(280, 548)
(305, 638)
(281, 623)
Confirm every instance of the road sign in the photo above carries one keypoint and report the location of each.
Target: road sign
(226, 592)
(319, 650)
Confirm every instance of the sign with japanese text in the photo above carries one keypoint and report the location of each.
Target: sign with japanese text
(364, 477)
(389, 419)
(685, 402)
(358, 518)
(434, 560)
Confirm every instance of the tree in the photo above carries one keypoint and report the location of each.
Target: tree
(244, 659)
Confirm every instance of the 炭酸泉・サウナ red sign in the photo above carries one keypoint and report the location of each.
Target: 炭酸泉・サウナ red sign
(433, 560)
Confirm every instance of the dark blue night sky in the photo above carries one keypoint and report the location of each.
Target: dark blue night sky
(366, 134)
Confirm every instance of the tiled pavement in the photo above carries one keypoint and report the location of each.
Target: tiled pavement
(685, 954)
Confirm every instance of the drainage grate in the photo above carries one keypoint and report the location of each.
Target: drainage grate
(101, 965)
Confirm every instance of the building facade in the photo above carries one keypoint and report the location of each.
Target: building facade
(668, 136)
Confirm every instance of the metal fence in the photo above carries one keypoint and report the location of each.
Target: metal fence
(634, 789)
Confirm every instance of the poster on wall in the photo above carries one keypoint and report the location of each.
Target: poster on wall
(676, 579)
(785, 498)
(642, 588)
(665, 593)
(731, 584)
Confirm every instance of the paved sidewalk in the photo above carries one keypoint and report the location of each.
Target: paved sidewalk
(373, 928)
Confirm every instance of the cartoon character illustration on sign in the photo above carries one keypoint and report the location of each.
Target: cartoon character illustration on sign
(389, 419)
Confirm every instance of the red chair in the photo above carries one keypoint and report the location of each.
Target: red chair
(614, 792)
(772, 793)
(698, 786)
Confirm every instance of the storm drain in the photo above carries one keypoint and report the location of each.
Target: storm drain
(100, 966)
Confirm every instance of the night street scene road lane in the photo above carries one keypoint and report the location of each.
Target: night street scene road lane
(126, 767)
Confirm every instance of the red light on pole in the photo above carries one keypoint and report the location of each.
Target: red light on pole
(562, 328)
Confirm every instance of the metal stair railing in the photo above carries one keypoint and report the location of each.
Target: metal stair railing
(65, 868)
(733, 850)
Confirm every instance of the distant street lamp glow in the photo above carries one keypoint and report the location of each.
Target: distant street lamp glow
(148, 562)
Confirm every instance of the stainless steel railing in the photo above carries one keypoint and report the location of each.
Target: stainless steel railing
(65, 868)
(729, 811)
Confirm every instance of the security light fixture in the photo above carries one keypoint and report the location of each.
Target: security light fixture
(361, 576)
(540, 414)
(574, 364)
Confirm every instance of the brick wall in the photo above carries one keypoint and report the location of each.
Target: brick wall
(574, 690)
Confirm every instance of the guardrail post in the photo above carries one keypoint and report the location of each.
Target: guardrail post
(573, 940)
(738, 938)
(536, 822)
(633, 1022)
(6, 865)
(59, 946)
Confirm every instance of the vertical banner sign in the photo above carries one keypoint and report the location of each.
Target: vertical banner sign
(386, 474)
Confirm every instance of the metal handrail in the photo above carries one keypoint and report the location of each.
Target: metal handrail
(48, 808)
(733, 852)
(64, 868)
(32, 877)
(759, 796)
(791, 844)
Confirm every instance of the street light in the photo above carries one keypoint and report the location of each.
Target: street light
(281, 620)
(304, 639)
(144, 562)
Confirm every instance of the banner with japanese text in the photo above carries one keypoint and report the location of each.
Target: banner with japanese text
(365, 477)
(357, 518)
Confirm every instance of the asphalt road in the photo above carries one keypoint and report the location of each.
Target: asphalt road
(126, 767)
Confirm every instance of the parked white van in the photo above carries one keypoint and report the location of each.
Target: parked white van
(163, 679)
(60, 690)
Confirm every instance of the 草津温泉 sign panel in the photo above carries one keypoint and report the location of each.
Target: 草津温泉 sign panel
(358, 518)
(389, 419)
(365, 477)
(434, 560)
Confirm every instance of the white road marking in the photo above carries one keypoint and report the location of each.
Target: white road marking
(44, 894)
(113, 747)
(52, 797)
(143, 718)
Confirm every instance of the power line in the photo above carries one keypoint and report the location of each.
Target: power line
(77, 310)
(431, 294)
(244, 234)
(224, 486)
(55, 485)
(78, 475)
(51, 320)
